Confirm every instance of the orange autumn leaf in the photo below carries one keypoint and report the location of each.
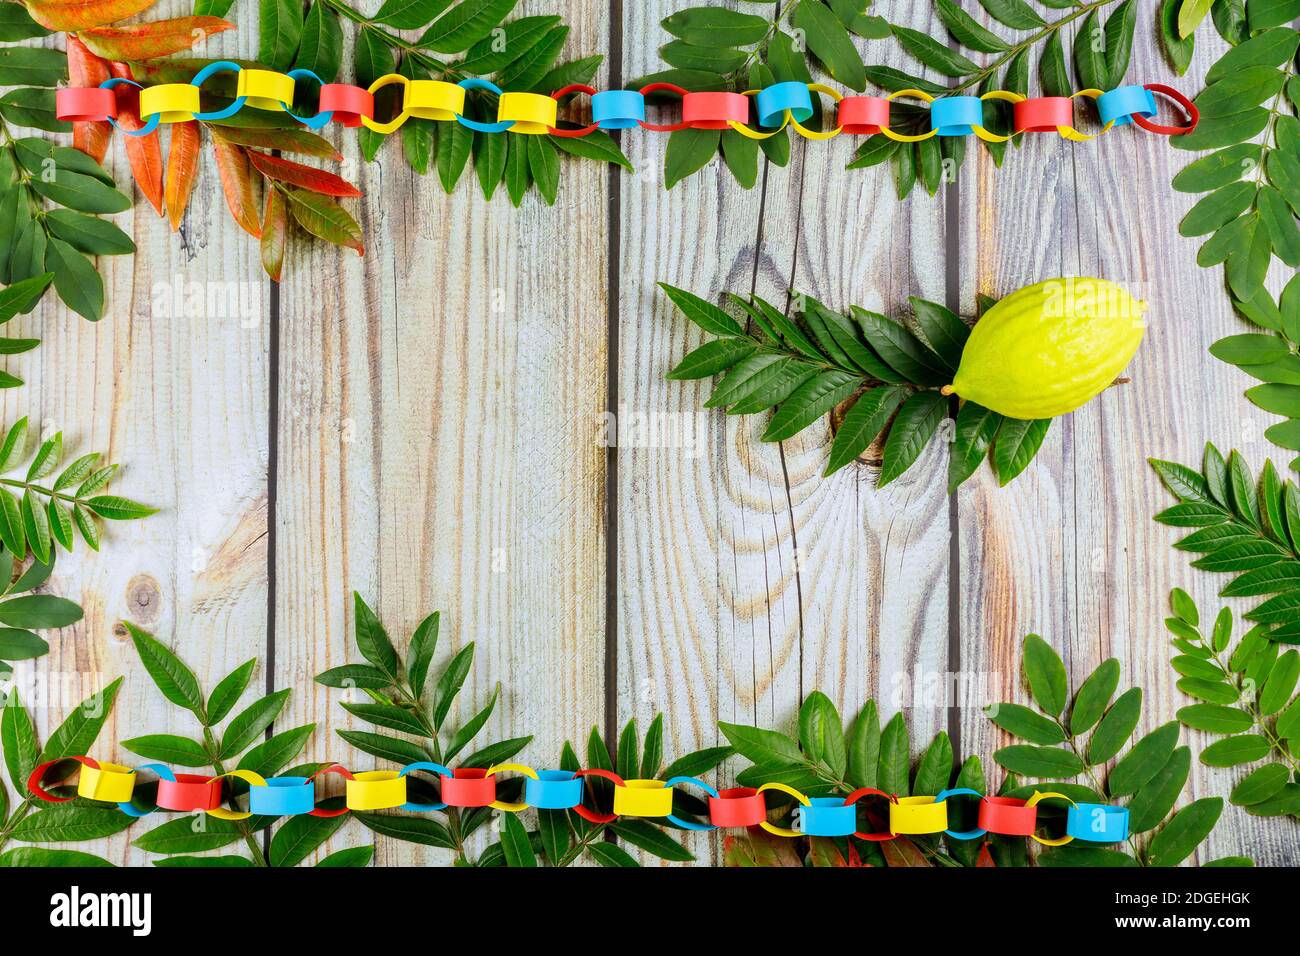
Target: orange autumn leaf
(80, 14)
(305, 177)
(237, 185)
(275, 230)
(182, 169)
(148, 41)
(903, 852)
(985, 857)
(86, 69)
(144, 152)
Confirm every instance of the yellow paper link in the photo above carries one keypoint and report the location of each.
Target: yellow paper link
(532, 113)
(170, 102)
(791, 791)
(1006, 97)
(751, 133)
(250, 778)
(434, 100)
(395, 123)
(376, 790)
(111, 782)
(1072, 134)
(265, 89)
(901, 137)
(807, 133)
(1038, 798)
(510, 768)
(912, 815)
(643, 798)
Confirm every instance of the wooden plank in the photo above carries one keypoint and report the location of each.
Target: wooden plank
(747, 580)
(440, 403)
(172, 383)
(1069, 550)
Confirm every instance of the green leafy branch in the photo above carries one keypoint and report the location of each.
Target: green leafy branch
(21, 616)
(1249, 699)
(813, 363)
(1273, 357)
(721, 49)
(828, 759)
(1244, 527)
(36, 516)
(51, 196)
(1151, 774)
(31, 821)
(1102, 49)
(1252, 179)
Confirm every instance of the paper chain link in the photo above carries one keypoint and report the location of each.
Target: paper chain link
(776, 107)
(468, 787)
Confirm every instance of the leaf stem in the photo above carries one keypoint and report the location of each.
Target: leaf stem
(1046, 31)
(214, 751)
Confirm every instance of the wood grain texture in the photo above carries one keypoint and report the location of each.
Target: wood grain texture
(439, 411)
(173, 384)
(440, 407)
(746, 580)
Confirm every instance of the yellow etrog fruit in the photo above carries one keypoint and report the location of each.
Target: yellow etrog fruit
(1050, 348)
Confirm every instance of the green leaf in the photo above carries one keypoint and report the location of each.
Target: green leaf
(704, 314)
(1025, 723)
(1094, 696)
(29, 66)
(280, 24)
(515, 843)
(43, 857)
(1215, 718)
(410, 829)
(180, 836)
(1153, 801)
(893, 775)
(688, 151)
(385, 748)
(1178, 47)
(863, 424)
(821, 734)
(1148, 756)
(1118, 48)
(643, 836)
(273, 755)
(915, 424)
(75, 279)
(227, 693)
(301, 836)
(829, 41)
(765, 748)
(1281, 682)
(932, 53)
(466, 733)
(1015, 446)
(607, 854)
(169, 748)
(1115, 727)
(1180, 837)
(79, 730)
(464, 25)
(1262, 784)
(1045, 762)
(321, 49)
(117, 508)
(1045, 674)
(972, 437)
(372, 640)
(357, 856)
(863, 747)
(1233, 751)
(251, 723)
(966, 30)
(711, 26)
(1270, 48)
(18, 740)
(66, 823)
(694, 764)
(934, 771)
(39, 611)
(1013, 13)
(176, 681)
(354, 675)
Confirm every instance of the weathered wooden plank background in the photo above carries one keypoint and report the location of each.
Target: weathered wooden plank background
(423, 426)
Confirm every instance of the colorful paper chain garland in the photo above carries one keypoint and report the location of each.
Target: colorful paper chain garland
(563, 790)
(776, 107)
